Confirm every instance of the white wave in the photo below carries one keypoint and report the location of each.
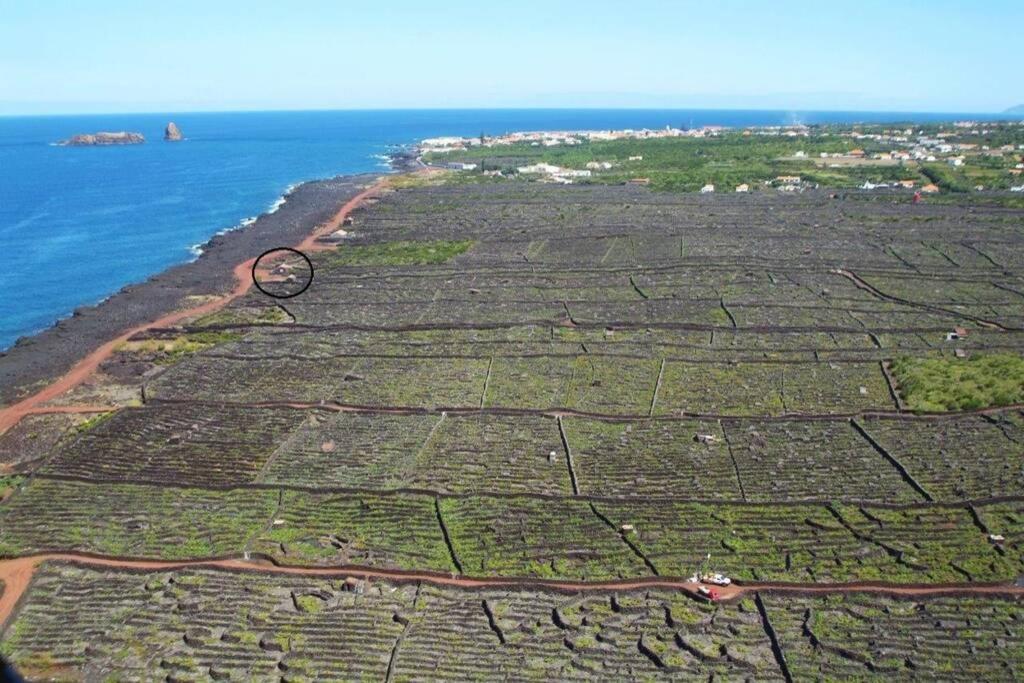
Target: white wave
(277, 205)
(197, 249)
(280, 201)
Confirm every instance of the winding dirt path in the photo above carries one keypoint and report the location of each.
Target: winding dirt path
(16, 575)
(12, 414)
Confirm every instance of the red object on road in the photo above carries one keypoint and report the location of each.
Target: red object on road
(713, 594)
(917, 197)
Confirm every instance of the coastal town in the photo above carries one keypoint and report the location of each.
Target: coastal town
(881, 148)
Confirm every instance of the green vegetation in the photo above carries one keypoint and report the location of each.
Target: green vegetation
(401, 253)
(10, 482)
(375, 531)
(941, 384)
(686, 164)
(757, 156)
(171, 350)
(239, 315)
(131, 520)
(948, 638)
(92, 422)
(946, 177)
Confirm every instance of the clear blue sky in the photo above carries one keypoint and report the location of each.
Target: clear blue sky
(63, 56)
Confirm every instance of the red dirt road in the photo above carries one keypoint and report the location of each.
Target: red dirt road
(12, 414)
(17, 574)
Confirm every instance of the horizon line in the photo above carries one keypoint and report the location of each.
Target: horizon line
(1007, 112)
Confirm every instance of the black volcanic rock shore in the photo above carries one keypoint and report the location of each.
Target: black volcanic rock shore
(33, 361)
(104, 139)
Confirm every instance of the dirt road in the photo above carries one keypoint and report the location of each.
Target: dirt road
(17, 574)
(12, 414)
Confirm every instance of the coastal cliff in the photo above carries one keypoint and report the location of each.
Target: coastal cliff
(172, 133)
(100, 139)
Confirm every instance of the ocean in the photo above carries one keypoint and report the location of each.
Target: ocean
(79, 223)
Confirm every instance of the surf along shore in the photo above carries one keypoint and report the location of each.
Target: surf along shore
(35, 362)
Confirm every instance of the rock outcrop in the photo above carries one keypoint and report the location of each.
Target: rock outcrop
(99, 139)
(172, 133)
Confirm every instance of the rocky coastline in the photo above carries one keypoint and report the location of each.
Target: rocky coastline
(42, 357)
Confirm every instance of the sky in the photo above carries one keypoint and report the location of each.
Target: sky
(66, 56)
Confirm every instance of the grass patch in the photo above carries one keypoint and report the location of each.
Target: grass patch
(402, 253)
(170, 350)
(92, 422)
(943, 384)
(405, 181)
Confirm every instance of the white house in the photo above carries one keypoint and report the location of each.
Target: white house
(743, 188)
(707, 189)
(460, 166)
(539, 168)
(572, 173)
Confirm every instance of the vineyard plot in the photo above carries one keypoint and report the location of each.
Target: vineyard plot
(646, 458)
(493, 453)
(204, 624)
(855, 637)
(962, 459)
(178, 444)
(341, 529)
(813, 460)
(128, 520)
(351, 450)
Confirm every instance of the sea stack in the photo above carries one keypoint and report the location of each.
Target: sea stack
(172, 134)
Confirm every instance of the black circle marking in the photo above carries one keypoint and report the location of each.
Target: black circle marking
(282, 296)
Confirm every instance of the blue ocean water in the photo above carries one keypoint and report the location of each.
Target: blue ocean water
(77, 224)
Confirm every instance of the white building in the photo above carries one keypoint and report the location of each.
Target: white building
(572, 173)
(460, 166)
(743, 188)
(539, 168)
(707, 189)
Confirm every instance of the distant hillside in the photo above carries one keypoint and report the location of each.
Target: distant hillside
(1016, 111)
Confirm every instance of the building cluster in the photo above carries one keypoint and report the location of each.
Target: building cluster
(940, 146)
(954, 144)
(555, 174)
(561, 138)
